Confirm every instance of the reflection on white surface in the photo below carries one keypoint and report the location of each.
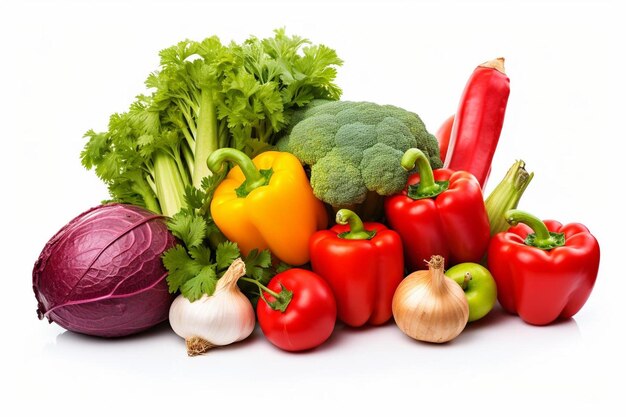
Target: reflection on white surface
(349, 350)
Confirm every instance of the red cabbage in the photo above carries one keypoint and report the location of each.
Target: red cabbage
(102, 274)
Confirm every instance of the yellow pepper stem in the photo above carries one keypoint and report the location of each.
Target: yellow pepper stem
(254, 177)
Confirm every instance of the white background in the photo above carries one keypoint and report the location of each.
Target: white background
(66, 66)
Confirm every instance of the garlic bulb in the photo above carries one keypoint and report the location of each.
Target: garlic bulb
(223, 318)
(429, 306)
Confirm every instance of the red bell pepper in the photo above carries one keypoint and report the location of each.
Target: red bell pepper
(440, 212)
(543, 270)
(363, 263)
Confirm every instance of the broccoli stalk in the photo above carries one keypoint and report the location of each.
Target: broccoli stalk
(371, 209)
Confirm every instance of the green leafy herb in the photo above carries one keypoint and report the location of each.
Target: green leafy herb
(282, 267)
(194, 198)
(203, 282)
(180, 267)
(189, 228)
(257, 264)
(227, 252)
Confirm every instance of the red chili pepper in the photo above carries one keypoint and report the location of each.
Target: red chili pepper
(543, 270)
(478, 121)
(441, 212)
(363, 263)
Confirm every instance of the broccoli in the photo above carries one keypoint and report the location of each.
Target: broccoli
(354, 149)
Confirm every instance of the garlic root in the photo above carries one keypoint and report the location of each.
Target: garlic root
(197, 346)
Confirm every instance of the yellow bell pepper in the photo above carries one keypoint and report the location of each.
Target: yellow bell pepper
(266, 203)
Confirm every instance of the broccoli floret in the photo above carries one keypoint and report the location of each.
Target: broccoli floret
(356, 135)
(337, 185)
(320, 135)
(381, 171)
(394, 133)
(354, 148)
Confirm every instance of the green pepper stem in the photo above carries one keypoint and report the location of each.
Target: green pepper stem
(414, 157)
(357, 229)
(427, 186)
(518, 216)
(254, 178)
(541, 237)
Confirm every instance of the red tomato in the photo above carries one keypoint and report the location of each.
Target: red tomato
(308, 320)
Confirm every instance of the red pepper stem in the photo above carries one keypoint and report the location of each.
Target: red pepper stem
(427, 186)
(541, 237)
(357, 229)
(414, 157)
(254, 178)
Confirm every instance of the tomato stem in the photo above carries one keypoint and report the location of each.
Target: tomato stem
(282, 299)
(261, 286)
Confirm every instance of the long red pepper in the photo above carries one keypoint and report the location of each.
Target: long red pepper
(478, 121)
(363, 263)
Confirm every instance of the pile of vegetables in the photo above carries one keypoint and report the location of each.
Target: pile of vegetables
(244, 191)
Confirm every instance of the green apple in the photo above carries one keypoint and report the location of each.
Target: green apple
(479, 286)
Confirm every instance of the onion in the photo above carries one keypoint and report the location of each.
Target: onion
(429, 306)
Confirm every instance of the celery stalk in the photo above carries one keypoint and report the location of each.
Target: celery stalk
(169, 184)
(506, 196)
(207, 139)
